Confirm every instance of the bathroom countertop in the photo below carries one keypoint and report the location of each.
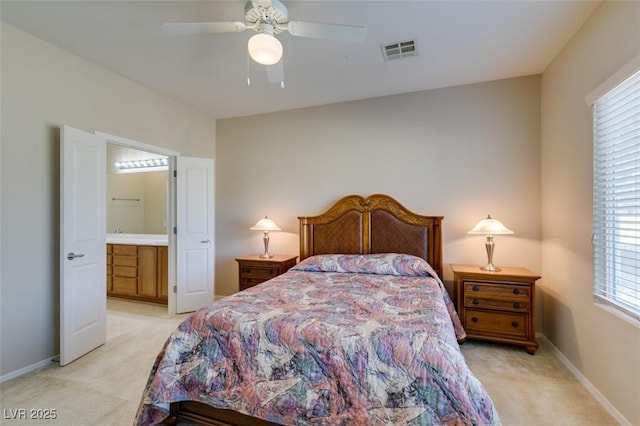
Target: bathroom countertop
(138, 239)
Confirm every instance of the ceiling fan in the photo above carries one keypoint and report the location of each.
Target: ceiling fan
(268, 18)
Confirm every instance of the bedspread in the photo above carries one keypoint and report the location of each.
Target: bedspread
(338, 339)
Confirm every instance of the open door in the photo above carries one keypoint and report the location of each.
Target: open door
(83, 305)
(194, 237)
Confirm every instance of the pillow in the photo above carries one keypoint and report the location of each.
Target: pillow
(380, 264)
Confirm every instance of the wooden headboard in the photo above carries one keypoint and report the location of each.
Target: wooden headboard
(376, 224)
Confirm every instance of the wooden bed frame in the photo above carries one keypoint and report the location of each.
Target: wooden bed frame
(376, 224)
(353, 225)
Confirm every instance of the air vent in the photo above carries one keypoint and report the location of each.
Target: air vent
(399, 50)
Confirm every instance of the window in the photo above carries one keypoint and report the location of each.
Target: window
(616, 196)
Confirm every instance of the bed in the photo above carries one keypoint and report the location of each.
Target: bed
(361, 331)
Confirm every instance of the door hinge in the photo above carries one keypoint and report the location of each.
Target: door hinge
(175, 288)
(175, 230)
(175, 173)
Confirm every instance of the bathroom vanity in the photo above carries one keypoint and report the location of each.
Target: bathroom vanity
(137, 267)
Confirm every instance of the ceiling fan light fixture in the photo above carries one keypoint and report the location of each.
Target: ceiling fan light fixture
(265, 49)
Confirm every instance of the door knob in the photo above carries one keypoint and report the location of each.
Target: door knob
(72, 255)
(205, 241)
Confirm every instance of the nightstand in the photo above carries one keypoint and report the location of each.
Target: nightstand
(254, 270)
(497, 306)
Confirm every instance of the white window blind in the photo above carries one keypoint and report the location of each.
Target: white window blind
(616, 196)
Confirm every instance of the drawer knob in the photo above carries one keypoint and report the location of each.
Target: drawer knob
(516, 291)
(474, 319)
(475, 288)
(516, 305)
(476, 301)
(514, 324)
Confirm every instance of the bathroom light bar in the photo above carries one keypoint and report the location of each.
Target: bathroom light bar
(141, 164)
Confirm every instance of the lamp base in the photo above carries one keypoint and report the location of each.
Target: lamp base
(265, 239)
(490, 268)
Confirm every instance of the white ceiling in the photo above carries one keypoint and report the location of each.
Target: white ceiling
(458, 42)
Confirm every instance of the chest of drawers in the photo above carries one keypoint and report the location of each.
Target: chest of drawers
(497, 306)
(254, 270)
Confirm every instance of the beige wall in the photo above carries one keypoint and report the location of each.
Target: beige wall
(43, 88)
(602, 346)
(155, 202)
(460, 152)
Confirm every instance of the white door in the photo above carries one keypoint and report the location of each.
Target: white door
(194, 239)
(83, 305)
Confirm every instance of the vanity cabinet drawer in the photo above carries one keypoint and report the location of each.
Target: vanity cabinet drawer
(109, 268)
(125, 285)
(125, 250)
(125, 271)
(125, 260)
(124, 280)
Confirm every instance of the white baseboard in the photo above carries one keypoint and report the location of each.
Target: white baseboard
(27, 369)
(586, 383)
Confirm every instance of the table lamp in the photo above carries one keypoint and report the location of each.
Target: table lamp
(265, 225)
(490, 227)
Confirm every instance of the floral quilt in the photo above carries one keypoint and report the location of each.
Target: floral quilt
(337, 340)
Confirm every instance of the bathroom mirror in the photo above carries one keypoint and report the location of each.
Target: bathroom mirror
(136, 191)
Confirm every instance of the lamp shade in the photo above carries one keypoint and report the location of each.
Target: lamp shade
(265, 49)
(265, 224)
(490, 226)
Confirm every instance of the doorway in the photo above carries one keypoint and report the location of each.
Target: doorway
(190, 215)
(119, 150)
(137, 224)
(190, 225)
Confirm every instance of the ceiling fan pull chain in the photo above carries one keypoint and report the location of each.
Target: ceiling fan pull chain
(282, 78)
(248, 77)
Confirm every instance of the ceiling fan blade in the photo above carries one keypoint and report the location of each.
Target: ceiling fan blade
(188, 28)
(336, 32)
(275, 72)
